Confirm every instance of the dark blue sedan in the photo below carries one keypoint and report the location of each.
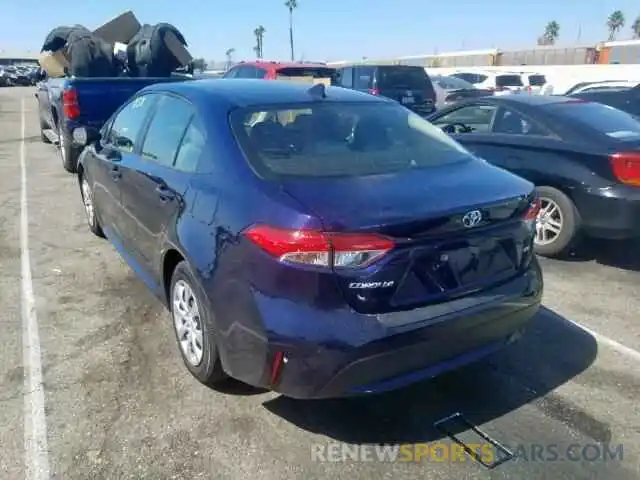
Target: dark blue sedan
(316, 241)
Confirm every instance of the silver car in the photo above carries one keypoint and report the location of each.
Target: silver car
(450, 90)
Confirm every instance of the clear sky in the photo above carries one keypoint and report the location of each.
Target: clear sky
(328, 29)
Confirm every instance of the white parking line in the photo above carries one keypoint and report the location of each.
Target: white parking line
(35, 423)
(618, 347)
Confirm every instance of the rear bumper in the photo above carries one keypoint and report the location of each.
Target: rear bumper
(439, 340)
(610, 213)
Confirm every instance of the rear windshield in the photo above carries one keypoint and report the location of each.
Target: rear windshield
(312, 72)
(537, 80)
(605, 119)
(452, 83)
(470, 77)
(509, 81)
(414, 78)
(340, 139)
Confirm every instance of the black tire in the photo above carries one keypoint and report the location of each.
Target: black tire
(68, 153)
(209, 370)
(569, 234)
(92, 218)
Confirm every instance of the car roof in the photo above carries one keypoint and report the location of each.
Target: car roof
(377, 65)
(532, 100)
(280, 65)
(232, 93)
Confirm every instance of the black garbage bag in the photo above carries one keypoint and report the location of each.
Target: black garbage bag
(56, 39)
(148, 54)
(89, 55)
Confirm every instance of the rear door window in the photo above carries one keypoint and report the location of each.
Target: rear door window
(192, 146)
(166, 130)
(511, 122)
(604, 119)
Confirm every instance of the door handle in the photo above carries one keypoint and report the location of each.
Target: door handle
(165, 194)
(116, 173)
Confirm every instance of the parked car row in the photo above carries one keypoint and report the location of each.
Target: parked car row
(313, 240)
(18, 75)
(504, 83)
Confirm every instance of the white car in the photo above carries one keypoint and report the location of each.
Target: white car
(533, 82)
(501, 83)
(602, 85)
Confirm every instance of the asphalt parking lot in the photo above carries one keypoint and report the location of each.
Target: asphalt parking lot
(118, 403)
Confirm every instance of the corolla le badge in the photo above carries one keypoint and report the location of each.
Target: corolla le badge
(472, 218)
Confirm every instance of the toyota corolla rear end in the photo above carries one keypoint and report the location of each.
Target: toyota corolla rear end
(389, 255)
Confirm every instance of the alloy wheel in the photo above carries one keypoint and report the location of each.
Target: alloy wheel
(188, 323)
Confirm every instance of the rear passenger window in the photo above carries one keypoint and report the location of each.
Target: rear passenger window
(128, 123)
(191, 147)
(511, 122)
(346, 77)
(166, 130)
(363, 78)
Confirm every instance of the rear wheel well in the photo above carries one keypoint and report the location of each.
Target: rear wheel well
(171, 260)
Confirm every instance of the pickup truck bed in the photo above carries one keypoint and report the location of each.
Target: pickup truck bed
(67, 103)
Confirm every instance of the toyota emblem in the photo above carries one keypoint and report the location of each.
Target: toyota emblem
(472, 218)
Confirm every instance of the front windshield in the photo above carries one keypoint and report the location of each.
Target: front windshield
(341, 139)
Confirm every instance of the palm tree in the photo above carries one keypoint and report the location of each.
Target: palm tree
(614, 23)
(551, 33)
(291, 6)
(229, 54)
(636, 27)
(259, 33)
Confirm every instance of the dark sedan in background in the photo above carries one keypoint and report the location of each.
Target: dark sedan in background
(623, 98)
(583, 157)
(317, 241)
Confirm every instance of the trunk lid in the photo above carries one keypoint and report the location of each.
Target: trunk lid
(440, 253)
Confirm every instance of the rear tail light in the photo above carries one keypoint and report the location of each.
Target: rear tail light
(374, 91)
(70, 105)
(533, 210)
(626, 167)
(531, 215)
(322, 249)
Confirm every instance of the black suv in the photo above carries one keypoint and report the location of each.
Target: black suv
(409, 85)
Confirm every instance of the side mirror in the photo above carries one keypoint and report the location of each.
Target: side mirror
(83, 136)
